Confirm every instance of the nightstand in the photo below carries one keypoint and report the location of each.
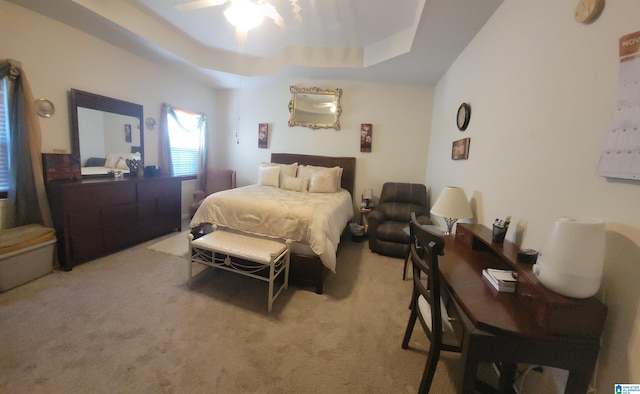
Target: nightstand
(363, 219)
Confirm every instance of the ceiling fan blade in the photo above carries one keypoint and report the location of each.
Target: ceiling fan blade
(270, 12)
(198, 4)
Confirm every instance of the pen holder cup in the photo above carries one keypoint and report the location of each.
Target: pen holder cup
(498, 233)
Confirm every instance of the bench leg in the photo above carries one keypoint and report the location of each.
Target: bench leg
(286, 271)
(190, 262)
(271, 280)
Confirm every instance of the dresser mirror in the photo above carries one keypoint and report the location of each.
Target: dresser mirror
(105, 132)
(315, 108)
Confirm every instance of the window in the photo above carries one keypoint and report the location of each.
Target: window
(4, 140)
(186, 135)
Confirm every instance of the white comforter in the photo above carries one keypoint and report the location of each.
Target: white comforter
(316, 219)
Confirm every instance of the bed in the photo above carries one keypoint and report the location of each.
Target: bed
(315, 221)
(104, 165)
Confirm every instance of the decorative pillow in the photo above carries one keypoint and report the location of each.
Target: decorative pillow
(288, 169)
(268, 175)
(112, 160)
(323, 182)
(294, 184)
(305, 184)
(122, 164)
(307, 171)
(285, 169)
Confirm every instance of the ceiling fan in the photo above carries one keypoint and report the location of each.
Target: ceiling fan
(243, 14)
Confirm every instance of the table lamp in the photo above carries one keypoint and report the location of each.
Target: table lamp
(571, 260)
(452, 205)
(367, 196)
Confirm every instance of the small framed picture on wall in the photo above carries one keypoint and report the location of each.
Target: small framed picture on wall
(460, 149)
(366, 137)
(263, 135)
(127, 133)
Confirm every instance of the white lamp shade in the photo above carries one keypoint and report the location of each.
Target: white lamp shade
(572, 259)
(367, 194)
(452, 203)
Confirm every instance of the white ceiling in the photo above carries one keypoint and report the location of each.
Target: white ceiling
(392, 41)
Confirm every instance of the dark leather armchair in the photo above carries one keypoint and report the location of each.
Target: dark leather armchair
(389, 221)
(217, 179)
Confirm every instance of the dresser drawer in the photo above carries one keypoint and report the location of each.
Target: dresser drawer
(120, 215)
(95, 217)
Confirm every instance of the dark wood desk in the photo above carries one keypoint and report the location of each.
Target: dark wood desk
(532, 326)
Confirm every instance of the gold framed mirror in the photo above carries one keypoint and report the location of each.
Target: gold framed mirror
(315, 108)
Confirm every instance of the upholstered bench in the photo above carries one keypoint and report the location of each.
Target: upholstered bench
(243, 254)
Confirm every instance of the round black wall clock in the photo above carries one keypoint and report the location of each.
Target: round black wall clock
(463, 116)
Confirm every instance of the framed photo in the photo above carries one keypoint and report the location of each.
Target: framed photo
(366, 130)
(263, 135)
(460, 149)
(127, 133)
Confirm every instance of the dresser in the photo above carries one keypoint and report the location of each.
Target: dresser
(95, 217)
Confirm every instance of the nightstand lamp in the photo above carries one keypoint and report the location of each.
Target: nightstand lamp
(452, 205)
(367, 196)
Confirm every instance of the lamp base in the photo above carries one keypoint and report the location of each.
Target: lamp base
(450, 222)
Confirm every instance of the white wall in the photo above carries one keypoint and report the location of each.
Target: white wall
(57, 58)
(542, 89)
(400, 115)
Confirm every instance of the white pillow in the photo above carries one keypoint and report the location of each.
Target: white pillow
(323, 182)
(305, 184)
(285, 169)
(307, 171)
(294, 184)
(122, 164)
(288, 169)
(112, 160)
(268, 175)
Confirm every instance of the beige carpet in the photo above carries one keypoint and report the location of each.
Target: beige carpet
(127, 323)
(173, 244)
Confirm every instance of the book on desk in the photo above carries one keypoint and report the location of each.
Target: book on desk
(501, 280)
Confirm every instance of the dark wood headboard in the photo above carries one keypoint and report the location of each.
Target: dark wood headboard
(347, 163)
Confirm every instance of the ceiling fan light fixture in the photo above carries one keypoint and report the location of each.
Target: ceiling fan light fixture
(244, 14)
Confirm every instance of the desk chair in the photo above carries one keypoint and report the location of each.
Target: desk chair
(426, 303)
(412, 241)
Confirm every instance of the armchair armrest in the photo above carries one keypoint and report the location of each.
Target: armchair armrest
(376, 216)
(198, 195)
(423, 218)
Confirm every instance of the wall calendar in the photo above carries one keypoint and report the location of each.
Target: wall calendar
(621, 155)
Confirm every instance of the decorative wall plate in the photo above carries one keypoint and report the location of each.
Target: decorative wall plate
(45, 108)
(150, 123)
